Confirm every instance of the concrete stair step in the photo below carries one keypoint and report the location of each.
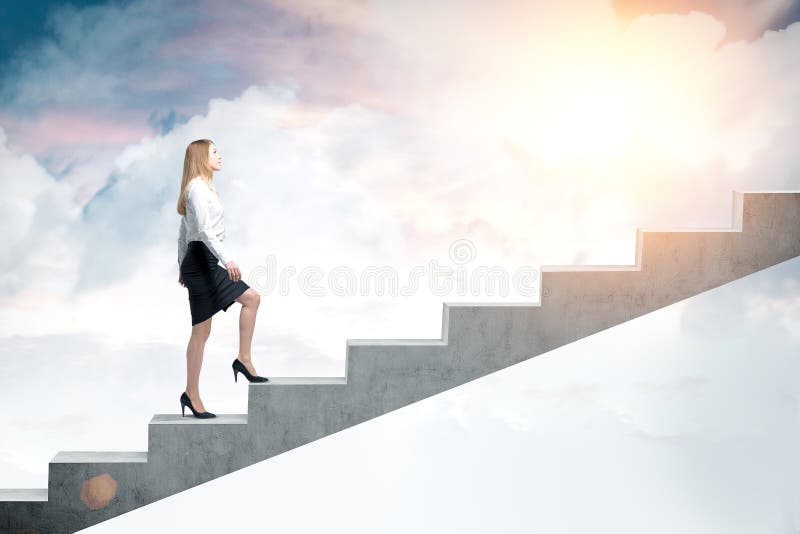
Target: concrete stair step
(383, 375)
(23, 495)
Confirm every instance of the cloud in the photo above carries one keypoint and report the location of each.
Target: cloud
(517, 133)
(124, 70)
(37, 212)
(94, 52)
(744, 19)
(331, 184)
(764, 302)
(704, 393)
(782, 310)
(440, 142)
(718, 367)
(163, 123)
(114, 263)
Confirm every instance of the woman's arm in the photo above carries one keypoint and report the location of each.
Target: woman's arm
(197, 200)
(182, 244)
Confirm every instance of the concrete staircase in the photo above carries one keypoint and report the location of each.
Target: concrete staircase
(86, 488)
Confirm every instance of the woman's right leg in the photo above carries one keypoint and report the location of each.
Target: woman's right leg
(194, 361)
(250, 301)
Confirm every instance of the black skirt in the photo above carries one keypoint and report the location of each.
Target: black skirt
(210, 288)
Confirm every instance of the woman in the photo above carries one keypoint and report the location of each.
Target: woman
(211, 288)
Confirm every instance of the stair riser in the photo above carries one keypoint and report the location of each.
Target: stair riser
(182, 447)
(73, 506)
(680, 265)
(290, 416)
(771, 214)
(82, 494)
(176, 472)
(285, 417)
(23, 516)
(364, 360)
(496, 338)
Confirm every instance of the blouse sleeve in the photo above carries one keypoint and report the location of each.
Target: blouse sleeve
(182, 244)
(197, 200)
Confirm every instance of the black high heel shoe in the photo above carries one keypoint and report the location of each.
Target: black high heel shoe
(239, 367)
(185, 401)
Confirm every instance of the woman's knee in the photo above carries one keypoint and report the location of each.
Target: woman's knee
(249, 298)
(202, 330)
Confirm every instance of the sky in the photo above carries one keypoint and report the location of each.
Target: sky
(363, 135)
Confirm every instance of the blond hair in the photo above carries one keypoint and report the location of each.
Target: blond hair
(195, 163)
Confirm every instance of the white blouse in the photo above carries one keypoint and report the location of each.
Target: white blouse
(203, 220)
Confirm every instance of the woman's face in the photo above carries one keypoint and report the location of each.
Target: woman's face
(214, 159)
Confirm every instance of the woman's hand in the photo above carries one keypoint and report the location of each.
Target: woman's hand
(233, 271)
(180, 281)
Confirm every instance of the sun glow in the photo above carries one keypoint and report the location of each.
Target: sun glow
(592, 121)
(606, 99)
(598, 121)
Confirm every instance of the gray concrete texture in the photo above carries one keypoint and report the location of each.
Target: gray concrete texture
(86, 488)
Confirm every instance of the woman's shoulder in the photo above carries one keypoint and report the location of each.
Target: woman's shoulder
(195, 183)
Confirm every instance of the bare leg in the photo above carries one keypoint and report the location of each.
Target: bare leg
(247, 324)
(194, 361)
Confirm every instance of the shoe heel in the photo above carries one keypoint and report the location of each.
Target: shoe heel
(185, 401)
(236, 376)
